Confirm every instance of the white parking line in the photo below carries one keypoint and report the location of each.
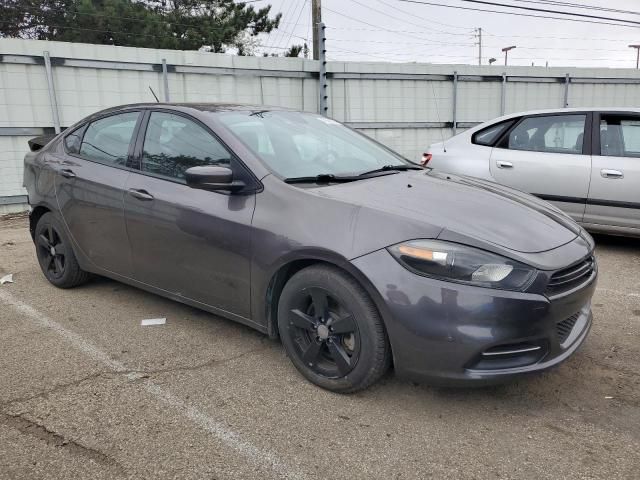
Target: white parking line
(228, 437)
(618, 292)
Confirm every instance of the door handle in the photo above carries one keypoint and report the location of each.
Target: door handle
(67, 173)
(607, 173)
(140, 194)
(503, 164)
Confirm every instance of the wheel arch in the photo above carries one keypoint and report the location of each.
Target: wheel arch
(35, 215)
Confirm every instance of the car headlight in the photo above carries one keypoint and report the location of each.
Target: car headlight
(459, 263)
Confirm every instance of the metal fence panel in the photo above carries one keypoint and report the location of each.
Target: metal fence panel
(405, 106)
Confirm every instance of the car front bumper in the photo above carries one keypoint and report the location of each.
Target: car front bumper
(455, 334)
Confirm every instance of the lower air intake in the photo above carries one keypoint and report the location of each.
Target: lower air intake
(565, 327)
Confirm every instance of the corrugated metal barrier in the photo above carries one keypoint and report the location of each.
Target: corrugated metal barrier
(46, 86)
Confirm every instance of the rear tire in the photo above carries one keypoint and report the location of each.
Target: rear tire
(55, 254)
(332, 330)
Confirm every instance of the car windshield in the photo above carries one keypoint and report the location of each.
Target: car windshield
(295, 144)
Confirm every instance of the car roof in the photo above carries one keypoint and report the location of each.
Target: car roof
(201, 106)
(184, 107)
(495, 120)
(566, 110)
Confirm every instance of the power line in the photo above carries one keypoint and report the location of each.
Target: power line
(595, 39)
(379, 27)
(436, 43)
(398, 54)
(484, 31)
(385, 42)
(64, 27)
(411, 49)
(578, 6)
(279, 35)
(401, 19)
(459, 7)
(161, 20)
(387, 55)
(116, 32)
(304, 4)
(428, 20)
(556, 12)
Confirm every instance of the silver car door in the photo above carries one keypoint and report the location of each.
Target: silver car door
(543, 155)
(614, 194)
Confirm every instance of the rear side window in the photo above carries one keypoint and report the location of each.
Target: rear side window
(620, 136)
(173, 144)
(107, 140)
(552, 134)
(488, 136)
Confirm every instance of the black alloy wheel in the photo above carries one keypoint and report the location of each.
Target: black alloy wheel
(55, 254)
(325, 333)
(332, 330)
(51, 252)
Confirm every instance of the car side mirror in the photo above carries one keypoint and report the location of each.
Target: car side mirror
(213, 179)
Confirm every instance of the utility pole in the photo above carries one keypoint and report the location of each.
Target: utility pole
(479, 45)
(316, 19)
(637, 47)
(323, 107)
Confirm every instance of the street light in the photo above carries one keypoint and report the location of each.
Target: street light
(506, 52)
(637, 47)
(491, 60)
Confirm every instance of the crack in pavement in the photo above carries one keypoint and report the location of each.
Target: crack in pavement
(130, 374)
(57, 388)
(209, 363)
(259, 456)
(32, 428)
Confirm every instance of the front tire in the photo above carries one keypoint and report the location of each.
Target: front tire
(332, 330)
(55, 255)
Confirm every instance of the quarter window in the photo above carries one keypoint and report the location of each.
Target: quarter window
(73, 140)
(620, 136)
(489, 135)
(173, 144)
(107, 140)
(553, 134)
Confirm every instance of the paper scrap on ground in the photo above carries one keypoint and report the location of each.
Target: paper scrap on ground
(153, 321)
(6, 279)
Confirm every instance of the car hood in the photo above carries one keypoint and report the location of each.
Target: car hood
(454, 208)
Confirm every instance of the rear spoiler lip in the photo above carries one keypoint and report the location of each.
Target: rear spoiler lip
(37, 143)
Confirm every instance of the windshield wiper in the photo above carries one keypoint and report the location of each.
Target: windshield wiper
(391, 168)
(322, 178)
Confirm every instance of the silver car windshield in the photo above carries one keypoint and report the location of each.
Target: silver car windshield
(295, 144)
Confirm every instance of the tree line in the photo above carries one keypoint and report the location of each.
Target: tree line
(219, 25)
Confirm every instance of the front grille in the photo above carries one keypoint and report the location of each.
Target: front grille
(570, 277)
(564, 327)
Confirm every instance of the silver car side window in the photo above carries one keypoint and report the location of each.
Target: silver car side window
(553, 134)
(620, 136)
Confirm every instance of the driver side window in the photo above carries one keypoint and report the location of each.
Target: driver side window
(552, 134)
(173, 144)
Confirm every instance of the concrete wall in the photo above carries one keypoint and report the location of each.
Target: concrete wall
(406, 106)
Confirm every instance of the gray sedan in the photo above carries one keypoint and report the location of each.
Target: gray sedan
(586, 162)
(306, 230)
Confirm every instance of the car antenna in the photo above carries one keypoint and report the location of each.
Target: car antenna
(435, 99)
(154, 94)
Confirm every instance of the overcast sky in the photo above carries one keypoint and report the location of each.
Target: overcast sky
(398, 31)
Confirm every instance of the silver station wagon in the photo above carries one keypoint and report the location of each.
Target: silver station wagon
(585, 161)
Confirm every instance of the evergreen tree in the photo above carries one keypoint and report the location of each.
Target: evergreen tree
(171, 24)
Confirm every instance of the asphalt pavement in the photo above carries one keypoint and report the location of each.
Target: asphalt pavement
(87, 392)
